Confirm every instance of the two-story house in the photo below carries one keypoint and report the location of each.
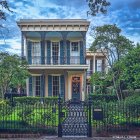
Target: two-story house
(56, 53)
(96, 62)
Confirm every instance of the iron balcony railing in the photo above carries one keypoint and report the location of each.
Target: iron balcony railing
(56, 60)
(89, 72)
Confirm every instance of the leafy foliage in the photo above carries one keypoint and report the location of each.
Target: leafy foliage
(97, 6)
(33, 100)
(13, 71)
(25, 114)
(114, 47)
(3, 6)
(131, 69)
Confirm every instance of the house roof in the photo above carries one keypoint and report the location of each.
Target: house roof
(53, 21)
(53, 24)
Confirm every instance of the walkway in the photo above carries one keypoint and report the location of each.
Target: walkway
(94, 138)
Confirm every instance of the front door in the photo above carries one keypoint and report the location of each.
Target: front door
(76, 87)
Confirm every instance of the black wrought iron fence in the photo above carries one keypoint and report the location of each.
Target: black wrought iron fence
(23, 117)
(115, 117)
(42, 117)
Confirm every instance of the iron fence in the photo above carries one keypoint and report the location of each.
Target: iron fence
(115, 117)
(42, 117)
(28, 118)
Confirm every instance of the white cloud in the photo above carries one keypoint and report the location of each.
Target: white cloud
(15, 45)
(51, 9)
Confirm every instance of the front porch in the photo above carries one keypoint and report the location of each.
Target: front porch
(70, 84)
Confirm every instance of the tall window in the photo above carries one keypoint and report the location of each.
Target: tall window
(38, 84)
(36, 53)
(75, 53)
(99, 65)
(56, 84)
(55, 52)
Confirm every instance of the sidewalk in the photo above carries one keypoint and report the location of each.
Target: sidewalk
(77, 138)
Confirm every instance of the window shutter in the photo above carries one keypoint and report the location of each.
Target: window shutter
(68, 52)
(30, 86)
(61, 52)
(95, 65)
(91, 64)
(48, 52)
(82, 60)
(29, 52)
(62, 83)
(42, 86)
(49, 85)
(42, 52)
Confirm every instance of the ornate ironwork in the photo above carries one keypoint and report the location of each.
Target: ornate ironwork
(76, 119)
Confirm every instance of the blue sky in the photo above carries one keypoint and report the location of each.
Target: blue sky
(124, 13)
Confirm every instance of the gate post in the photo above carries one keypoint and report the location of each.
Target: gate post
(59, 117)
(90, 125)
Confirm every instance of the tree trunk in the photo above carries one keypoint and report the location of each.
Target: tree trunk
(115, 86)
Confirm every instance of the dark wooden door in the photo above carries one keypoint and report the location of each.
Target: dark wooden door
(76, 88)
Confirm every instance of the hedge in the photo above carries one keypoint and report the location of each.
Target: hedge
(33, 100)
(103, 97)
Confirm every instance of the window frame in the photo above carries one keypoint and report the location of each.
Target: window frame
(36, 53)
(52, 51)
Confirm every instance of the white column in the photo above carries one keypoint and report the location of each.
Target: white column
(84, 86)
(106, 66)
(69, 87)
(22, 45)
(25, 46)
(27, 87)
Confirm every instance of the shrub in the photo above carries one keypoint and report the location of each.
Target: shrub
(33, 100)
(133, 105)
(25, 114)
(133, 100)
(103, 98)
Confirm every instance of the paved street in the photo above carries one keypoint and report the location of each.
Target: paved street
(75, 138)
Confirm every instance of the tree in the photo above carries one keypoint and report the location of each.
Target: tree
(97, 6)
(3, 6)
(99, 82)
(13, 71)
(108, 39)
(131, 70)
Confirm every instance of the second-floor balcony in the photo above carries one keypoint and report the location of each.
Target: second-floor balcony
(56, 60)
(90, 72)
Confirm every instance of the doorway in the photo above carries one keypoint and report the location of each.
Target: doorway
(76, 87)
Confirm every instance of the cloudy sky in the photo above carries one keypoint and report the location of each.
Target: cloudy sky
(124, 13)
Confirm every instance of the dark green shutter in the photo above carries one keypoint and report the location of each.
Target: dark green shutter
(48, 52)
(95, 65)
(43, 52)
(91, 65)
(30, 86)
(68, 52)
(61, 52)
(62, 83)
(82, 59)
(49, 85)
(42, 86)
(29, 52)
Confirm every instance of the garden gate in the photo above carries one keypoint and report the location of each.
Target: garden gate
(74, 118)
